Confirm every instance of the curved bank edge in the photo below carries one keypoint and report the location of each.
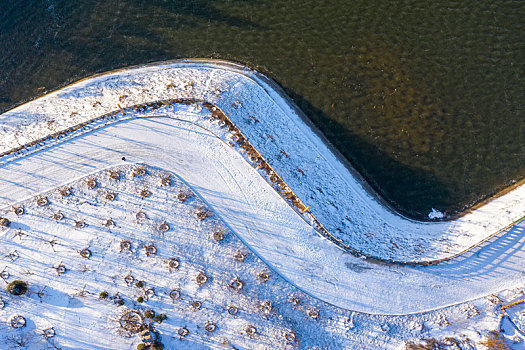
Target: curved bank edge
(241, 93)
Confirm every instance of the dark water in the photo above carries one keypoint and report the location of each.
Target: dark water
(425, 98)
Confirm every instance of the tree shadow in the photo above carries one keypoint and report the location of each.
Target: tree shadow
(501, 254)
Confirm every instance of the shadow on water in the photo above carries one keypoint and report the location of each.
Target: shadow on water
(409, 190)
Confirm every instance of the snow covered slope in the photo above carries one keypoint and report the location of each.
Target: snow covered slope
(262, 219)
(337, 198)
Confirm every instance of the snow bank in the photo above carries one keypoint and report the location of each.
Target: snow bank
(435, 214)
(274, 127)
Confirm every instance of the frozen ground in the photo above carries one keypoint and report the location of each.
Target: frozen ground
(263, 220)
(336, 197)
(53, 232)
(458, 299)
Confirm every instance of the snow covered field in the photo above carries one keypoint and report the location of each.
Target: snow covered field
(183, 142)
(119, 223)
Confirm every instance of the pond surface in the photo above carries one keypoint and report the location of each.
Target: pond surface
(424, 98)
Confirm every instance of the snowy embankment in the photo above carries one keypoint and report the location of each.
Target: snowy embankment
(170, 139)
(273, 126)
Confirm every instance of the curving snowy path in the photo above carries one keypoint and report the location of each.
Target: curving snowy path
(336, 194)
(264, 221)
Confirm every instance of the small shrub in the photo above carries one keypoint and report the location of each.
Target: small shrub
(140, 299)
(160, 317)
(120, 302)
(157, 346)
(140, 284)
(149, 313)
(495, 341)
(17, 287)
(103, 295)
(5, 222)
(142, 346)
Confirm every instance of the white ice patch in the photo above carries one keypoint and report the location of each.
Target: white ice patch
(435, 214)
